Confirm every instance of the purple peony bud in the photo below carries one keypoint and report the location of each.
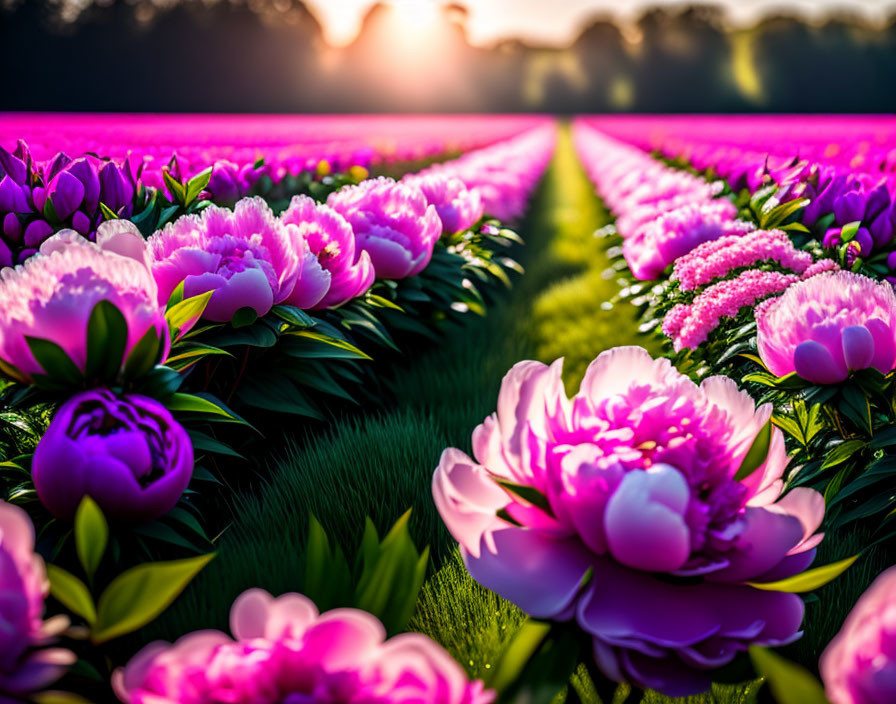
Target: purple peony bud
(864, 240)
(883, 228)
(878, 200)
(823, 202)
(66, 193)
(52, 296)
(36, 232)
(224, 184)
(13, 198)
(116, 191)
(827, 326)
(12, 227)
(5, 255)
(282, 650)
(126, 452)
(392, 222)
(850, 207)
(14, 167)
(334, 271)
(25, 664)
(84, 170)
(636, 534)
(859, 664)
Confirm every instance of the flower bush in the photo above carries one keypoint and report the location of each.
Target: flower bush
(627, 508)
(283, 650)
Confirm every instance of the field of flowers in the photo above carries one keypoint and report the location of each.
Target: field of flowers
(447, 410)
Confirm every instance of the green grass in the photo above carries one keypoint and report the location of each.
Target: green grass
(381, 463)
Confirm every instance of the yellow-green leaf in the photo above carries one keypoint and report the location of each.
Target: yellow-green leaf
(71, 592)
(810, 579)
(138, 596)
(757, 453)
(789, 683)
(91, 535)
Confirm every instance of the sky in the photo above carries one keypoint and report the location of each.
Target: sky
(558, 22)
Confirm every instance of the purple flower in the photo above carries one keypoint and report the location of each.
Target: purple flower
(247, 256)
(458, 207)
(25, 665)
(827, 326)
(284, 652)
(126, 452)
(333, 271)
(392, 222)
(117, 188)
(52, 295)
(619, 508)
(224, 185)
(859, 665)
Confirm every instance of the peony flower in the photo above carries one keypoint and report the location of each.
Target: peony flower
(672, 234)
(333, 271)
(392, 222)
(52, 295)
(25, 666)
(859, 664)
(459, 208)
(284, 652)
(126, 452)
(827, 326)
(619, 508)
(248, 257)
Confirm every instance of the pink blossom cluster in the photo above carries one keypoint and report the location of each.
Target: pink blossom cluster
(662, 213)
(688, 325)
(285, 652)
(716, 259)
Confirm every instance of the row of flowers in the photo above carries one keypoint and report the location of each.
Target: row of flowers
(114, 349)
(748, 292)
(153, 170)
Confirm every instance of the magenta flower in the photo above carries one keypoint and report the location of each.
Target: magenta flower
(126, 452)
(392, 222)
(333, 271)
(287, 653)
(52, 295)
(459, 208)
(827, 326)
(25, 665)
(672, 234)
(248, 257)
(619, 508)
(859, 664)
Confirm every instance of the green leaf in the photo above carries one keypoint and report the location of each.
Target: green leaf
(244, 317)
(72, 593)
(91, 535)
(54, 361)
(108, 213)
(107, 338)
(313, 345)
(177, 295)
(842, 452)
(184, 313)
(144, 355)
(175, 187)
(190, 403)
(140, 594)
(527, 493)
(779, 214)
(294, 316)
(809, 580)
(521, 649)
(381, 302)
(789, 683)
(58, 697)
(757, 453)
(882, 471)
(197, 184)
(327, 575)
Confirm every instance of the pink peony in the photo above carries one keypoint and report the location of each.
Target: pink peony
(827, 326)
(248, 257)
(459, 208)
(287, 653)
(333, 271)
(619, 508)
(859, 665)
(52, 294)
(24, 665)
(392, 222)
